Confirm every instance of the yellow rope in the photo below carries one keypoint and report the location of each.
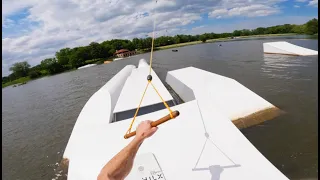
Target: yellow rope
(135, 115)
(154, 27)
(164, 102)
(149, 82)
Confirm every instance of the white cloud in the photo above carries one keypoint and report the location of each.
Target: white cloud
(250, 24)
(296, 6)
(313, 3)
(71, 23)
(49, 25)
(255, 10)
(12, 6)
(218, 13)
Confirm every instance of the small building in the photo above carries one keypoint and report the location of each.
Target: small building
(124, 53)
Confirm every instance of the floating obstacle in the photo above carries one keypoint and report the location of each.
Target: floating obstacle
(86, 66)
(201, 143)
(286, 48)
(241, 105)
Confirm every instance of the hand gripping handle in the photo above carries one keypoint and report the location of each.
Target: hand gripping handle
(156, 123)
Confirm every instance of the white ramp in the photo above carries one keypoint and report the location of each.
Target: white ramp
(197, 145)
(134, 87)
(238, 103)
(201, 143)
(86, 66)
(283, 47)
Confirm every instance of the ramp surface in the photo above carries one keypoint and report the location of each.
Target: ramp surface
(283, 47)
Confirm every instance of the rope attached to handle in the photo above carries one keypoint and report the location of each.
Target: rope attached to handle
(163, 101)
(156, 123)
(136, 113)
(149, 78)
(152, 44)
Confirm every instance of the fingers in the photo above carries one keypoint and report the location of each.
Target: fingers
(153, 130)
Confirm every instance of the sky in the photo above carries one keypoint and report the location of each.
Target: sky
(33, 30)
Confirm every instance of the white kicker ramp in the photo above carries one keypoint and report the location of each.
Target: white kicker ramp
(201, 143)
(241, 105)
(283, 47)
(180, 149)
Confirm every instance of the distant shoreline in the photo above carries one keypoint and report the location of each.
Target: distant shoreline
(222, 40)
(24, 80)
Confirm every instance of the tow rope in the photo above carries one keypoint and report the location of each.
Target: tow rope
(171, 115)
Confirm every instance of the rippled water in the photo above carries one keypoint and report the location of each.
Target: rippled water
(37, 118)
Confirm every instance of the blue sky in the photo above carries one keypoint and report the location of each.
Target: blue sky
(33, 30)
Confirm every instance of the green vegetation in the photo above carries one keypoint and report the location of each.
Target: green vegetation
(67, 59)
(17, 81)
(21, 69)
(311, 27)
(94, 60)
(203, 38)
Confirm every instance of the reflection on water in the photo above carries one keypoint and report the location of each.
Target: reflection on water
(284, 66)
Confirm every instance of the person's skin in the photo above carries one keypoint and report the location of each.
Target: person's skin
(121, 164)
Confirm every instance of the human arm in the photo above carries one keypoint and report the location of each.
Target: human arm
(121, 164)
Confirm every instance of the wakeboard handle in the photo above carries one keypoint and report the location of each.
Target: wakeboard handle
(156, 123)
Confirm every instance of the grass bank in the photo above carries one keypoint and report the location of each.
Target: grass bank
(24, 80)
(17, 81)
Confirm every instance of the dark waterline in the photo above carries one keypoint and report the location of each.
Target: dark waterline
(38, 117)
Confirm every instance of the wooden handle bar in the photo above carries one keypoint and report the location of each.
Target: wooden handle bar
(156, 123)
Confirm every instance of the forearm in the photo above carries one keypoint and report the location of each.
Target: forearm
(120, 165)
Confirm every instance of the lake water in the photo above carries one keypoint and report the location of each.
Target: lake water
(38, 117)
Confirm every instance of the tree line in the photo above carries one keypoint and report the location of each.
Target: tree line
(71, 58)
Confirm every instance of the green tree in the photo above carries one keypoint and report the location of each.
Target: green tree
(245, 32)
(129, 45)
(236, 33)
(138, 43)
(95, 50)
(51, 65)
(20, 69)
(34, 74)
(287, 28)
(177, 39)
(312, 26)
(111, 52)
(106, 49)
(5, 79)
(258, 31)
(63, 56)
(78, 56)
(203, 38)
(299, 29)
